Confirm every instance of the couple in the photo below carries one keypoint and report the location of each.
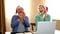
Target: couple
(21, 23)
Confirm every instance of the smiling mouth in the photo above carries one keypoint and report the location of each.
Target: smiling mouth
(40, 11)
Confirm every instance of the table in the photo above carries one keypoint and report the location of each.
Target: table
(56, 32)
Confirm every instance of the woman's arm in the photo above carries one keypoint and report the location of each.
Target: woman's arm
(14, 21)
(26, 21)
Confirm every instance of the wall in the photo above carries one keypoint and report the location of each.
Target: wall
(54, 8)
(54, 11)
(57, 24)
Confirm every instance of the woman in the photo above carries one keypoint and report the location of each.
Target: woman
(42, 15)
(20, 22)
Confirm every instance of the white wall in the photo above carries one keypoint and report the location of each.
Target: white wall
(54, 8)
(10, 9)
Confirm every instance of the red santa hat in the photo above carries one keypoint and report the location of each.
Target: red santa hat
(46, 9)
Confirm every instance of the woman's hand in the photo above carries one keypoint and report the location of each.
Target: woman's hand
(29, 29)
(18, 19)
(44, 16)
(21, 17)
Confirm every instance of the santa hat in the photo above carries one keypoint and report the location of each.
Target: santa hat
(46, 9)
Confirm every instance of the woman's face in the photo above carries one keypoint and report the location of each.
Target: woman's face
(21, 15)
(20, 9)
(41, 9)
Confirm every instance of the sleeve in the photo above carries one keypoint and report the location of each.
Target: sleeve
(36, 19)
(14, 22)
(26, 21)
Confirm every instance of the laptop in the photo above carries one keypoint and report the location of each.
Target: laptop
(46, 28)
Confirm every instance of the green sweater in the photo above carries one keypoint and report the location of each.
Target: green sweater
(39, 18)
